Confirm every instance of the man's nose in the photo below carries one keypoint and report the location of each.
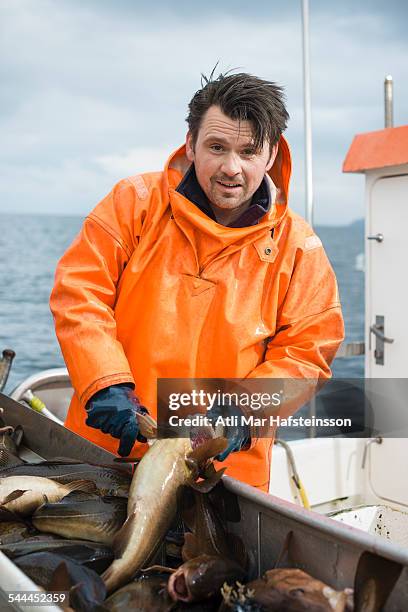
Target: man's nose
(230, 165)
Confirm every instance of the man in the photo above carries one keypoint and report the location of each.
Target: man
(199, 271)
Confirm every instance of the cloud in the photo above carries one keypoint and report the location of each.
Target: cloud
(98, 90)
(134, 161)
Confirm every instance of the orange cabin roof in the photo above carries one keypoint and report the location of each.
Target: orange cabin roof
(388, 147)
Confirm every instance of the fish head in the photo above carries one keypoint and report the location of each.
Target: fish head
(202, 577)
(199, 459)
(302, 589)
(179, 584)
(147, 593)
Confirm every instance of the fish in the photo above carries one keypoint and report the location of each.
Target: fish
(202, 578)
(83, 517)
(10, 439)
(23, 494)
(54, 572)
(146, 594)
(284, 590)
(109, 480)
(168, 465)
(374, 581)
(97, 557)
(34, 543)
(93, 555)
(7, 516)
(207, 533)
(13, 531)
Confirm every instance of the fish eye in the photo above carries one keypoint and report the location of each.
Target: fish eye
(297, 591)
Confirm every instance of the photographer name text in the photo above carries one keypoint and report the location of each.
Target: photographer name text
(201, 420)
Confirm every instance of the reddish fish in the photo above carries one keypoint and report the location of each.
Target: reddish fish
(202, 577)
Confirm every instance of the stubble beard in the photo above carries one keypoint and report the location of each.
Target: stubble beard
(228, 201)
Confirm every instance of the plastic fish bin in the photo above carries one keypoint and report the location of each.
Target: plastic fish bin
(384, 521)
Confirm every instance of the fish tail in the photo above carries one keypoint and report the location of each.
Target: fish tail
(87, 486)
(147, 425)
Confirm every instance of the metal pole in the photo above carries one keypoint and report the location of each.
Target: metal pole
(308, 148)
(307, 112)
(388, 102)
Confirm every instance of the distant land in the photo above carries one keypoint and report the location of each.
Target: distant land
(358, 224)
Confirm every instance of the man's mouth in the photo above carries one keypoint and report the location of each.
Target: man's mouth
(229, 185)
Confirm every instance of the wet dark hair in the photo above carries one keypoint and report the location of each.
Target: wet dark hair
(242, 97)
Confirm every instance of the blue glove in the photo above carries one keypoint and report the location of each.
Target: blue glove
(113, 410)
(238, 436)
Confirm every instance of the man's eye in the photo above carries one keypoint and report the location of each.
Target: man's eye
(216, 147)
(248, 152)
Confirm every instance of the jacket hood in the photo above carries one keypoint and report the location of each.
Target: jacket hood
(177, 165)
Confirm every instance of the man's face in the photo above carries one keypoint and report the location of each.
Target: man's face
(228, 167)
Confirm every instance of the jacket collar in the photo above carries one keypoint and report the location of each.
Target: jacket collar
(277, 181)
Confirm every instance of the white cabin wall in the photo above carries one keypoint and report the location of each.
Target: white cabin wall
(395, 286)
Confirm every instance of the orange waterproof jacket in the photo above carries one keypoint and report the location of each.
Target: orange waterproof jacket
(152, 287)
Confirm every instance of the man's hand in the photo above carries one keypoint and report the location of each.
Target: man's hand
(237, 434)
(114, 410)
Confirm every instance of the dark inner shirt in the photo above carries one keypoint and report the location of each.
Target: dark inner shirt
(190, 188)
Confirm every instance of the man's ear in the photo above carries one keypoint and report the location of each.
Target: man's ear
(189, 147)
(274, 153)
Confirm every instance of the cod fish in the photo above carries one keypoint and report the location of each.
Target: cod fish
(146, 594)
(54, 572)
(23, 494)
(284, 590)
(85, 517)
(10, 440)
(202, 578)
(109, 480)
(33, 543)
(168, 465)
(208, 533)
(94, 556)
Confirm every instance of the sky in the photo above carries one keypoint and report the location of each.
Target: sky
(96, 90)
